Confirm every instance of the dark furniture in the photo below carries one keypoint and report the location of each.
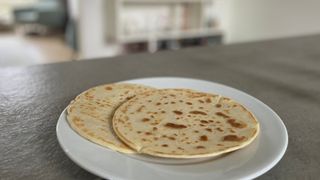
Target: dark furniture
(285, 74)
(48, 13)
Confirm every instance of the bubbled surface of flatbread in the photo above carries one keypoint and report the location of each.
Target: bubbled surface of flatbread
(179, 123)
(90, 114)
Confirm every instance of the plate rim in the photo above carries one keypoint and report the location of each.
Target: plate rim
(253, 175)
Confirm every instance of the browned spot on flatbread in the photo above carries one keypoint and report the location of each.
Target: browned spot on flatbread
(203, 138)
(155, 128)
(208, 100)
(198, 112)
(76, 119)
(145, 119)
(164, 145)
(235, 124)
(233, 138)
(204, 121)
(200, 147)
(175, 126)
(201, 101)
(189, 103)
(147, 133)
(158, 104)
(218, 105)
(171, 138)
(140, 108)
(208, 129)
(219, 129)
(222, 114)
(108, 88)
(177, 112)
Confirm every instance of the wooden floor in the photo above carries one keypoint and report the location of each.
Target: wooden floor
(23, 50)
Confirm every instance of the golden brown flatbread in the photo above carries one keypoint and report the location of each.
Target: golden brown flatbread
(180, 123)
(90, 114)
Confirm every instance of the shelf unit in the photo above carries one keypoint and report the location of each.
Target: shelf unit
(158, 21)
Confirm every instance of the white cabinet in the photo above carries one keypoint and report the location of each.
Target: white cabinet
(150, 21)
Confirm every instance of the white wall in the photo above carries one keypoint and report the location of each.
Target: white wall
(91, 26)
(252, 20)
(242, 21)
(73, 9)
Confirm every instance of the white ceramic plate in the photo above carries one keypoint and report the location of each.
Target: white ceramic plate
(247, 163)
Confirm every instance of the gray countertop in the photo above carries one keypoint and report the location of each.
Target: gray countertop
(284, 74)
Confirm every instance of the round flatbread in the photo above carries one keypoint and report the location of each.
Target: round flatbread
(90, 114)
(179, 123)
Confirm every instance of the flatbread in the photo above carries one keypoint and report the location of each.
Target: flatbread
(179, 123)
(90, 114)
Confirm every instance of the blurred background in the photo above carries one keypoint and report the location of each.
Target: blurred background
(48, 31)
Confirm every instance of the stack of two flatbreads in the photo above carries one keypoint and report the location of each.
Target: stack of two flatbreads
(172, 123)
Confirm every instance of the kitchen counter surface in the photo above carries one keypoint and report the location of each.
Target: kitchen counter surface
(284, 74)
